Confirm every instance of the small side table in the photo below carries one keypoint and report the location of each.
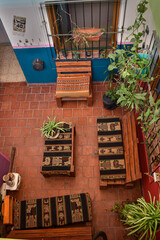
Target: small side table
(11, 185)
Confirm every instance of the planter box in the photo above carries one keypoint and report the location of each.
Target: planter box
(90, 34)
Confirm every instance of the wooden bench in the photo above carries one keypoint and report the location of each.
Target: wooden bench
(78, 230)
(73, 81)
(130, 141)
(74, 233)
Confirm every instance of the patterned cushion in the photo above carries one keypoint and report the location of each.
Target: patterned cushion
(52, 212)
(110, 146)
(73, 86)
(58, 153)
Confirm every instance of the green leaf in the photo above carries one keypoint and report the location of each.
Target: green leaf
(112, 56)
(133, 49)
(147, 113)
(120, 51)
(111, 67)
(141, 96)
(129, 28)
(133, 40)
(140, 117)
(125, 74)
(151, 100)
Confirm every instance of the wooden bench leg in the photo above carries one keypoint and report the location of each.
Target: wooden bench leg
(7, 210)
(90, 100)
(59, 102)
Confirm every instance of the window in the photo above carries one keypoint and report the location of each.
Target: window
(65, 16)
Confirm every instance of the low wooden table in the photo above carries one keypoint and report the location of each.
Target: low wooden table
(58, 156)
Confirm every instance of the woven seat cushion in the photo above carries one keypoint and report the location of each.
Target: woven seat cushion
(52, 212)
(78, 86)
(110, 147)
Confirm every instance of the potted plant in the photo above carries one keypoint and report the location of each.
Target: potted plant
(80, 38)
(142, 218)
(110, 98)
(132, 66)
(76, 54)
(51, 129)
(87, 34)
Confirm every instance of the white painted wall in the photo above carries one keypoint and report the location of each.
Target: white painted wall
(130, 17)
(35, 29)
(3, 35)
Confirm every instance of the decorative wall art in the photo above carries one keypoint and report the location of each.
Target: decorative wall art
(19, 24)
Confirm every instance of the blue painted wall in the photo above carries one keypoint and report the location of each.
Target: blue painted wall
(99, 69)
(26, 56)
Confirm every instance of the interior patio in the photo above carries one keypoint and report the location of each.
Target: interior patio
(23, 109)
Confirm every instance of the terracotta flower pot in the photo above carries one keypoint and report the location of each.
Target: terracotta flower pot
(90, 34)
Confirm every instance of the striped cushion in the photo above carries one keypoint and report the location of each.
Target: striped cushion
(58, 153)
(51, 212)
(78, 86)
(110, 148)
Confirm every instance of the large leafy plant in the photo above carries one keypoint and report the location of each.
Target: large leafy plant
(131, 65)
(133, 68)
(142, 218)
(151, 115)
(112, 93)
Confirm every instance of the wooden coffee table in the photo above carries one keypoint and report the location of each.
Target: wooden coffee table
(58, 156)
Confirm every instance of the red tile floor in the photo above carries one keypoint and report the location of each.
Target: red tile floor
(23, 110)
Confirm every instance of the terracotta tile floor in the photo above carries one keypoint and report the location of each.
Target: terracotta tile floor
(23, 110)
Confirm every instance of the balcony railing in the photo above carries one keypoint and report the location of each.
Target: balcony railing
(153, 133)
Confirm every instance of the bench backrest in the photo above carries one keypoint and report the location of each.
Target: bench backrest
(130, 147)
(76, 68)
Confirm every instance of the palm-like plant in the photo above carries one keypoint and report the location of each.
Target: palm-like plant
(50, 128)
(142, 217)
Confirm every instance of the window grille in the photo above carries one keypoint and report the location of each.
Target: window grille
(66, 16)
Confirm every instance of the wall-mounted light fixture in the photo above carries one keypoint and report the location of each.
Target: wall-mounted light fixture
(38, 64)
